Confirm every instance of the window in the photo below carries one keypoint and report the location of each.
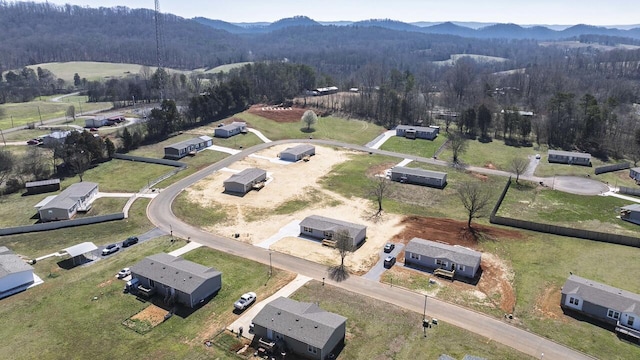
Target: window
(312, 349)
(306, 229)
(152, 283)
(438, 262)
(414, 256)
(613, 314)
(461, 267)
(574, 301)
(328, 235)
(630, 320)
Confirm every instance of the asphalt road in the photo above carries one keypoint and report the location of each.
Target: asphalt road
(160, 213)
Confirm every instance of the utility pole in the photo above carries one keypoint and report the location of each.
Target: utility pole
(425, 323)
(11, 120)
(40, 114)
(270, 266)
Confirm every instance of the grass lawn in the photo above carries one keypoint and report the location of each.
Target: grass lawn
(93, 70)
(16, 210)
(78, 313)
(596, 213)
(24, 135)
(418, 147)
(34, 111)
(350, 131)
(378, 330)
(494, 153)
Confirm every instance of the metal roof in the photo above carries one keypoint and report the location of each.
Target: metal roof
(454, 253)
(322, 223)
(176, 272)
(246, 176)
(69, 196)
(305, 322)
(419, 172)
(298, 150)
(189, 142)
(80, 249)
(417, 128)
(632, 207)
(570, 153)
(44, 201)
(233, 125)
(602, 294)
(42, 183)
(10, 263)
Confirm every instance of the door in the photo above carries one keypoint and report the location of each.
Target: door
(269, 334)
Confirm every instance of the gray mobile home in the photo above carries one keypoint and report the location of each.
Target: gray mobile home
(298, 152)
(634, 173)
(568, 157)
(604, 303)
(245, 180)
(417, 132)
(176, 280)
(459, 260)
(631, 213)
(418, 176)
(300, 328)
(321, 228)
(77, 197)
(181, 149)
(15, 274)
(230, 130)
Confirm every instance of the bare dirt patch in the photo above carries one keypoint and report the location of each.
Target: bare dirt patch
(105, 283)
(548, 303)
(151, 314)
(278, 114)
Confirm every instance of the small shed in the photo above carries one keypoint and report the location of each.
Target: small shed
(43, 186)
(419, 176)
(569, 157)
(230, 130)
(245, 180)
(634, 173)
(631, 213)
(80, 253)
(297, 153)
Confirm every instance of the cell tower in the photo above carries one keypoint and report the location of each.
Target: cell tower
(159, 39)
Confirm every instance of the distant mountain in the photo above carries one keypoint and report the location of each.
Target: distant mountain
(449, 28)
(292, 22)
(388, 24)
(221, 25)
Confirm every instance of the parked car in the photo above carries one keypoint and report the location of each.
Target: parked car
(389, 261)
(130, 241)
(110, 249)
(538, 156)
(389, 247)
(245, 301)
(124, 273)
(33, 142)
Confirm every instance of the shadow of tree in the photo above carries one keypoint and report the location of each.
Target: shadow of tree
(338, 273)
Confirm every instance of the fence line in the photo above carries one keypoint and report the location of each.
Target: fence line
(61, 224)
(610, 168)
(149, 160)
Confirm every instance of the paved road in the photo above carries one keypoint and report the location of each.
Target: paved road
(160, 213)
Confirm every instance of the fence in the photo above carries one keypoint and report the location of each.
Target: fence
(629, 191)
(155, 181)
(559, 230)
(61, 224)
(149, 160)
(610, 168)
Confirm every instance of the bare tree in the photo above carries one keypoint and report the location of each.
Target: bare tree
(344, 246)
(71, 112)
(458, 144)
(518, 165)
(475, 199)
(380, 187)
(79, 162)
(309, 118)
(34, 164)
(7, 163)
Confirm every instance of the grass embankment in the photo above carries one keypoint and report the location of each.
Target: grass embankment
(418, 147)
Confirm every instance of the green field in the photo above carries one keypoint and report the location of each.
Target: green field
(351, 131)
(78, 313)
(377, 330)
(494, 154)
(418, 147)
(38, 111)
(92, 70)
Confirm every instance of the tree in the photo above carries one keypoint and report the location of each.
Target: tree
(484, 121)
(109, 147)
(475, 198)
(344, 245)
(458, 144)
(309, 118)
(380, 187)
(34, 165)
(71, 112)
(127, 140)
(518, 166)
(79, 162)
(76, 80)
(7, 162)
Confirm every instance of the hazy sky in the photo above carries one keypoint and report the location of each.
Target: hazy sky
(524, 12)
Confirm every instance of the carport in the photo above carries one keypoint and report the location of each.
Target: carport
(77, 253)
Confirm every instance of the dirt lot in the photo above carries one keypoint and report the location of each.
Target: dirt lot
(152, 314)
(278, 114)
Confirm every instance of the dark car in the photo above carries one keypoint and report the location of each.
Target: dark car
(389, 261)
(389, 247)
(33, 142)
(130, 241)
(110, 249)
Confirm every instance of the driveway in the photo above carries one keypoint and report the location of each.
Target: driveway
(578, 185)
(378, 269)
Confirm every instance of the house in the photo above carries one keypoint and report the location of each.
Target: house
(55, 138)
(230, 130)
(96, 122)
(634, 173)
(603, 303)
(15, 274)
(175, 279)
(417, 132)
(43, 186)
(64, 206)
(455, 259)
(300, 328)
(322, 228)
(298, 152)
(245, 180)
(181, 149)
(631, 213)
(418, 176)
(568, 157)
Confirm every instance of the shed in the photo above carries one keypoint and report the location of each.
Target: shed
(298, 152)
(320, 227)
(460, 260)
(43, 186)
(230, 130)
(419, 176)
(569, 157)
(15, 274)
(183, 148)
(78, 253)
(95, 122)
(245, 180)
(176, 280)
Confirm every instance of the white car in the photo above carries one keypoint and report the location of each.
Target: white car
(538, 156)
(245, 301)
(124, 273)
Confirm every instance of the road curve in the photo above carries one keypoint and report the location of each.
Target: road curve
(160, 213)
